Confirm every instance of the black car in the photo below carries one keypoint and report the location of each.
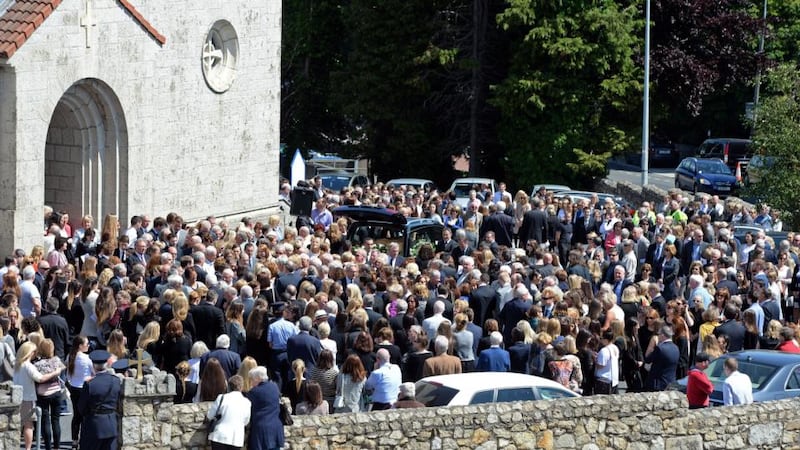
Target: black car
(731, 151)
(775, 375)
(386, 226)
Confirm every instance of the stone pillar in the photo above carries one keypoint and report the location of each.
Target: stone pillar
(147, 418)
(10, 400)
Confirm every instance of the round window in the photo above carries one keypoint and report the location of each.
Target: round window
(220, 53)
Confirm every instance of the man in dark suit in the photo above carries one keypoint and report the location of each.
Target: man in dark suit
(209, 321)
(303, 345)
(98, 405)
(139, 255)
(463, 248)
(501, 224)
(726, 281)
(580, 223)
(120, 272)
(441, 296)
(291, 277)
(447, 244)
(55, 327)
(477, 332)
(664, 360)
(230, 361)
(692, 251)
(731, 328)
(393, 256)
(655, 255)
(372, 315)
(534, 223)
(514, 310)
(483, 300)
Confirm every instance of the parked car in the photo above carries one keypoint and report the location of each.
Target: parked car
(336, 181)
(420, 184)
(554, 188)
(462, 186)
(756, 167)
(385, 226)
(663, 153)
(775, 375)
(487, 387)
(705, 175)
(730, 151)
(739, 232)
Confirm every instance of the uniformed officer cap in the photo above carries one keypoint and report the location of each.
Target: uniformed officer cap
(99, 356)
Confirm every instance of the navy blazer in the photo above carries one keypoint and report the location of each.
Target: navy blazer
(230, 361)
(305, 347)
(98, 406)
(664, 359)
(266, 428)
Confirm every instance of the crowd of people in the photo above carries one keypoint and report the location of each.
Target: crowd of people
(244, 313)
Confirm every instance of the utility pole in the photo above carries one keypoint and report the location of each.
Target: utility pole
(646, 105)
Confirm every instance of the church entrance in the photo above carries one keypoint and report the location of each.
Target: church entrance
(86, 153)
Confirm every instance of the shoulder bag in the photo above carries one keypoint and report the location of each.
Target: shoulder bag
(285, 413)
(212, 423)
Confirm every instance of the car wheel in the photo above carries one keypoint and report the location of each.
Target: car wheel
(677, 184)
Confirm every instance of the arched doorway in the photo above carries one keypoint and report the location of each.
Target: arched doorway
(86, 153)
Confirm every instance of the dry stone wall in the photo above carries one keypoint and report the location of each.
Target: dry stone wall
(659, 421)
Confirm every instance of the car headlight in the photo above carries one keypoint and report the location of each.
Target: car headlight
(704, 181)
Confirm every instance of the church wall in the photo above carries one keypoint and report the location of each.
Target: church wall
(189, 149)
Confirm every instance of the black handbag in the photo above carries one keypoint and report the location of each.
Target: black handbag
(286, 415)
(212, 423)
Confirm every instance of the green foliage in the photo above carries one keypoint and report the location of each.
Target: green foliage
(777, 134)
(573, 89)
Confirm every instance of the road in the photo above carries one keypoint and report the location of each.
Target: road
(660, 177)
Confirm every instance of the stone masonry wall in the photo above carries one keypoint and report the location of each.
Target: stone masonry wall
(660, 421)
(10, 427)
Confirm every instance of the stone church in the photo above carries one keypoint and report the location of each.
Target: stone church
(133, 107)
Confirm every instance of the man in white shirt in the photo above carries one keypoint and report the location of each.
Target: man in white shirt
(737, 389)
(384, 382)
(431, 324)
(607, 365)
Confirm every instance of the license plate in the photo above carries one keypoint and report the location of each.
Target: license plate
(723, 188)
(664, 152)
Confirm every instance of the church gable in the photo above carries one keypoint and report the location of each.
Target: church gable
(24, 16)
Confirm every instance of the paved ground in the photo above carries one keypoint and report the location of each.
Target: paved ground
(661, 177)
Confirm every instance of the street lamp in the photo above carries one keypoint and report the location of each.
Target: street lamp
(646, 106)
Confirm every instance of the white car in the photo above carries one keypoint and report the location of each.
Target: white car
(487, 387)
(462, 186)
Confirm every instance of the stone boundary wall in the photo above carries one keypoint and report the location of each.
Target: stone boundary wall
(659, 421)
(631, 421)
(636, 194)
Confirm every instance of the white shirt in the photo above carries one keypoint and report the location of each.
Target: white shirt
(431, 324)
(235, 412)
(607, 368)
(737, 390)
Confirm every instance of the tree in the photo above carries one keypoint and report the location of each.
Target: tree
(703, 60)
(311, 49)
(777, 135)
(573, 87)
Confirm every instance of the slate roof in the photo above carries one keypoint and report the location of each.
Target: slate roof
(23, 17)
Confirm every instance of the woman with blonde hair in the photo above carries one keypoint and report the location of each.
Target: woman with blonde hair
(105, 276)
(149, 340)
(527, 331)
(27, 375)
(295, 388)
(248, 364)
(185, 389)
(116, 345)
(180, 310)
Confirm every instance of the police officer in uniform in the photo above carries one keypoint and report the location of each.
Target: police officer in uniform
(98, 406)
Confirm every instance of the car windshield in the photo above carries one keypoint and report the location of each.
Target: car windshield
(434, 394)
(713, 167)
(335, 182)
(759, 373)
(462, 190)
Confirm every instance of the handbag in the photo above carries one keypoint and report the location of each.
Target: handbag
(212, 423)
(286, 414)
(338, 401)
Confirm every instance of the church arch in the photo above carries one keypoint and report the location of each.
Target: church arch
(86, 153)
